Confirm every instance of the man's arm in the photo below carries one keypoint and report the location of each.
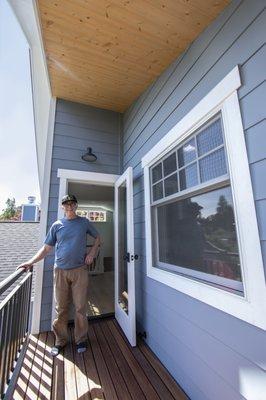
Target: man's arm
(37, 257)
(93, 251)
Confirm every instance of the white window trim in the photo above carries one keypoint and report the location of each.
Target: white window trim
(252, 307)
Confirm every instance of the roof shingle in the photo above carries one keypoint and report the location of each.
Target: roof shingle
(18, 243)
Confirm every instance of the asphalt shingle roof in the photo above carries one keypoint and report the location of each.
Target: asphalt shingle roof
(18, 243)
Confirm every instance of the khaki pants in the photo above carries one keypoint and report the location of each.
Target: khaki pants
(69, 281)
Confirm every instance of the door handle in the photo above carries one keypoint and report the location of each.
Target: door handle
(131, 257)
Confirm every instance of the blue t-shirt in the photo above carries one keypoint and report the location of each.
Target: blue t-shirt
(69, 236)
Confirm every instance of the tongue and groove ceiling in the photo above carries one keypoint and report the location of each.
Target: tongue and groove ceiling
(106, 53)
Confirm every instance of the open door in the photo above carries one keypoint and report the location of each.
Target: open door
(125, 312)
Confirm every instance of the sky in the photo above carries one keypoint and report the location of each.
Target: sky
(18, 163)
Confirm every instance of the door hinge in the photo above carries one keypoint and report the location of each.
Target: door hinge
(127, 257)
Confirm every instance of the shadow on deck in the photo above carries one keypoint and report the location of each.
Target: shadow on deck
(110, 369)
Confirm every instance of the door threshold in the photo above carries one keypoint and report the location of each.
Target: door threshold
(101, 316)
(93, 317)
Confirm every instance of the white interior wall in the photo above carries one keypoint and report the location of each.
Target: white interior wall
(93, 197)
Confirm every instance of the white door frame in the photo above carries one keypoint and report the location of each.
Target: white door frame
(127, 321)
(66, 176)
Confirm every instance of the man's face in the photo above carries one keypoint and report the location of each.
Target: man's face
(69, 206)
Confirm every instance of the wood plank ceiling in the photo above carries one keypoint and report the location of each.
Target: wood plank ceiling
(105, 53)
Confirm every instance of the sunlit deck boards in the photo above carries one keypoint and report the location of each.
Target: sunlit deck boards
(110, 369)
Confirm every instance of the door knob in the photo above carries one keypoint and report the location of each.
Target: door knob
(131, 257)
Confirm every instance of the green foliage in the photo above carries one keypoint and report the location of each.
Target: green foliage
(220, 227)
(10, 211)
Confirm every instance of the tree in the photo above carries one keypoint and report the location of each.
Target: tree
(10, 211)
(225, 214)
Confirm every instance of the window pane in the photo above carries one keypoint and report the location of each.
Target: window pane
(122, 248)
(157, 191)
(170, 185)
(210, 138)
(157, 173)
(213, 165)
(169, 164)
(188, 176)
(187, 153)
(199, 233)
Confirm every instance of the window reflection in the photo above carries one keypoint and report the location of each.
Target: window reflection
(210, 138)
(171, 185)
(122, 248)
(169, 164)
(157, 191)
(157, 173)
(188, 176)
(213, 165)
(187, 153)
(199, 233)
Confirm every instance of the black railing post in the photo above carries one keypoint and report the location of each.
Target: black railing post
(9, 336)
(21, 318)
(18, 325)
(29, 301)
(25, 310)
(14, 331)
(3, 349)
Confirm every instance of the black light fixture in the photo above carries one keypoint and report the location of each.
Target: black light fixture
(89, 156)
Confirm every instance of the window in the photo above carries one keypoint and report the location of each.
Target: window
(198, 160)
(200, 221)
(195, 235)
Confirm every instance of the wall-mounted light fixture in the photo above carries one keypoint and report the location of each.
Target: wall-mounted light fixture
(89, 156)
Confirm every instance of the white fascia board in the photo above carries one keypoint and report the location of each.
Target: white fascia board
(27, 15)
(44, 115)
(215, 97)
(35, 325)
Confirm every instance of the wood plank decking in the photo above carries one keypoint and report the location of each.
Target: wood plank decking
(110, 369)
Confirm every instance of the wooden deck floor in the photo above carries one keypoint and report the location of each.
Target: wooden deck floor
(110, 369)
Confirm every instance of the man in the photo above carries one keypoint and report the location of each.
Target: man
(69, 236)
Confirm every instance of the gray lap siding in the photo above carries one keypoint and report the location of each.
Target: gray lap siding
(211, 354)
(77, 127)
(206, 350)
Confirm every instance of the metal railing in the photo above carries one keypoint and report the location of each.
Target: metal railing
(14, 323)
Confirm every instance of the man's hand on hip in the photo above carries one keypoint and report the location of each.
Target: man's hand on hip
(89, 259)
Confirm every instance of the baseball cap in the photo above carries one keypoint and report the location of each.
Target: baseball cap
(69, 197)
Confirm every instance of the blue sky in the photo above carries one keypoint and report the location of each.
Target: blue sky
(18, 164)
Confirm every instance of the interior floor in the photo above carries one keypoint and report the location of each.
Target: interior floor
(101, 294)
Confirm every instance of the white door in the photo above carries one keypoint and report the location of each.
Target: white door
(124, 256)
